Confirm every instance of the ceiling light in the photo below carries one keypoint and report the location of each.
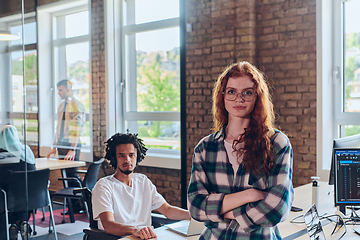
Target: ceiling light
(7, 36)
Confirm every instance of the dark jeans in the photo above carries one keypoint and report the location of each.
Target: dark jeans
(5, 172)
(71, 172)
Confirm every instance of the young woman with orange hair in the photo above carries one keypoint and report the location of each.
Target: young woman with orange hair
(240, 184)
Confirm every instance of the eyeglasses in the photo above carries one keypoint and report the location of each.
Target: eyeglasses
(248, 95)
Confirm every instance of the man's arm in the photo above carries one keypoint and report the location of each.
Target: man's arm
(118, 229)
(173, 212)
(52, 151)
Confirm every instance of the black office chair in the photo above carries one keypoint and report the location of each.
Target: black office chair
(93, 233)
(38, 196)
(89, 181)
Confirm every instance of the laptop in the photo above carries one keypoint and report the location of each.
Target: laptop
(187, 228)
(6, 158)
(313, 224)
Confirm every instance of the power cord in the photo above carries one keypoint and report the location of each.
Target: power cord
(316, 228)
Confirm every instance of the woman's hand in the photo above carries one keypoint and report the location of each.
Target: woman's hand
(229, 215)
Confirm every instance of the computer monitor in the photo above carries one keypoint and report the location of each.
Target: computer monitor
(345, 142)
(347, 176)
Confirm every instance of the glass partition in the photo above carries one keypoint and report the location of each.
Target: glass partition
(18, 107)
(52, 46)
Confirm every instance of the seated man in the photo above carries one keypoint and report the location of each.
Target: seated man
(123, 201)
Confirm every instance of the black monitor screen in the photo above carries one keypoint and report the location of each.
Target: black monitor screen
(347, 177)
(345, 142)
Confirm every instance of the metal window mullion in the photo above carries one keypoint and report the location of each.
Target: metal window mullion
(73, 10)
(28, 47)
(152, 116)
(131, 67)
(73, 40)
(119, 66)
(347, 118)
(338, 67)
(13, 20)
(151, 26)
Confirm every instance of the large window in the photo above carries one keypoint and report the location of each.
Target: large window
(338, 79)
(64, 50)
(149, 92)
(72, 61)
(15, 85)
(347, 101)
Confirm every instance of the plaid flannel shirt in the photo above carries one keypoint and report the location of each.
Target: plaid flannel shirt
(212, 177)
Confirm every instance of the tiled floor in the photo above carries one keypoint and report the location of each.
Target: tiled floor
(70, 231)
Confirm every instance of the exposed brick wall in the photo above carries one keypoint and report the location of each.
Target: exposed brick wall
(167, 182)
(199, 74)
(276, 35)
(286, 37)
(98, 77)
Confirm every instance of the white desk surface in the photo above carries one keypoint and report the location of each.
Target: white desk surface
(166, 234)
(53, 163)
(303, 199)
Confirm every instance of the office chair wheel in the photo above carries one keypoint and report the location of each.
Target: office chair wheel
(34, 233)
(50, 231)
(43, 219)
(63, 221)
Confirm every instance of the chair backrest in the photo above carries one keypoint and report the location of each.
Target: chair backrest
(86, 196)
(37, 190)
(91, 175)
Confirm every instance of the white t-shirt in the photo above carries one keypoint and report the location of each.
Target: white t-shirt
(129, 205)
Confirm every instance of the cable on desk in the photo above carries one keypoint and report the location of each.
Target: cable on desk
(293, 220)
(353, 219)
(316, 228)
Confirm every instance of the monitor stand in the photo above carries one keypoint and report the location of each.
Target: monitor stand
(342, 209)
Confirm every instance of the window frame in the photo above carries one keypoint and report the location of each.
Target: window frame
(115, 34)
(7, 23)
(341, 118)
(330, 75)
(47, 69)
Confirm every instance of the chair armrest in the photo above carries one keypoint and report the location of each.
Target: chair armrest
(71, 179)
(97, 234)
(80, 190)
(81, 171)
(4, 192)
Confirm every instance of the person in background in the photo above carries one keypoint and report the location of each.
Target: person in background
(11, 145)
(123, 201)
(241, 174)
(71, 119)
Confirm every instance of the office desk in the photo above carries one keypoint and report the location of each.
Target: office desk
(303, 199)
(54, 164)
(163, 233)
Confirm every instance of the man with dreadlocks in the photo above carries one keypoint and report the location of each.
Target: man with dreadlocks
(123, 201)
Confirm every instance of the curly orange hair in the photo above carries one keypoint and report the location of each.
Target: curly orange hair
(257, 150)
